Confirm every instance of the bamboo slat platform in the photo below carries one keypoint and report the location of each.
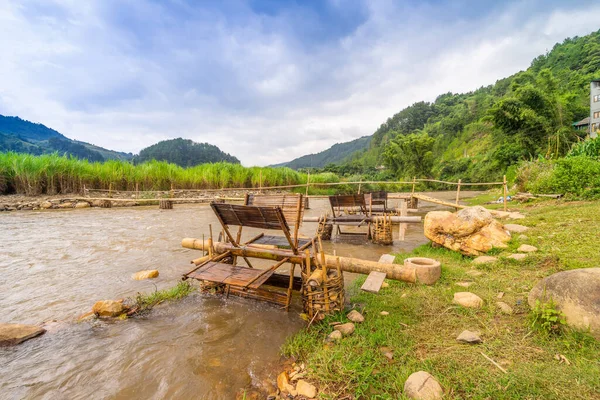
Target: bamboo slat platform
(231, 274)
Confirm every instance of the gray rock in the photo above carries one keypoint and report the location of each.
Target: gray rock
(517, 256)
(423, 386)
(576, 293)
(355, 316)
(345, 329)
(469, 337)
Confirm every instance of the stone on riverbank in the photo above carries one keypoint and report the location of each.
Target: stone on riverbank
(146, 274)
(517, 256)
(306, 389)
(13, 334)
(355, 316)
(485, 260)
(345, 329)
(46, 205)
(423, 386)
(335, 335)
(82, 204)
(467, 299)
(525, 248)
(469, 337)
(108, 308)
(576, 293)
(471, 231)
(505, 308)
(515, 228)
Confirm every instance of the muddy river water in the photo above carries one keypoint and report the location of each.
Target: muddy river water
(55, 264)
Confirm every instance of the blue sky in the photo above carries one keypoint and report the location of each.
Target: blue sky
(265, 80)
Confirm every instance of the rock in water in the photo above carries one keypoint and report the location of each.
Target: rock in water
(576, 293)
(306, 389)
(515, 228)
(147, 274)
(108, 308)
(346, 329)
(355, 316)
(469, 337)
(471, 231)
(82, 204)
(485, 260)
(423, 386)
(525, 248)
(467, 299)
(12, 334)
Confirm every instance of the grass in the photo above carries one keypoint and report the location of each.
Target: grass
(423, 323)
(53, 174)
(145, 301)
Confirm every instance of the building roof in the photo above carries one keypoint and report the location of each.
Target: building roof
(585, 121)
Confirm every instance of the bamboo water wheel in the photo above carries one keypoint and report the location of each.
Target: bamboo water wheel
(165, 204)
(322, 287)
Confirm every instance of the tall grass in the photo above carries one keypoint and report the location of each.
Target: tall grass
(55, 174)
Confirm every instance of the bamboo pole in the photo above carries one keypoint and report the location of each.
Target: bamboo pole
(416, 273)
(504, 186)
(260, 181)
(458, 191)
(414, 184)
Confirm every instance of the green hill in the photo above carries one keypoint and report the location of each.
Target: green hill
(481, 135)
(184, 153)
(22, 136)
(335, 154)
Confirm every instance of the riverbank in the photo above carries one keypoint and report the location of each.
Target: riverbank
(422, 324)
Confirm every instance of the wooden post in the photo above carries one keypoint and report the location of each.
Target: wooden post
(414, 184)
(505, 192)
(137, 190)
(172, 192)
(110, 190)
(260, 181)
(359, 185)
(458, 191)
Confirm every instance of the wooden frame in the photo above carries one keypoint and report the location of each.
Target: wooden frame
(355, 202)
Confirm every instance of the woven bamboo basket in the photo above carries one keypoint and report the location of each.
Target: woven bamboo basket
(322, 290)
(382, 232)
(324, 230)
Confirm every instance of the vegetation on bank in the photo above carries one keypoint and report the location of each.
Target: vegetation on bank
(184, 152)
(481, 135)
(423, 323)
(146, 301)
(54, 174)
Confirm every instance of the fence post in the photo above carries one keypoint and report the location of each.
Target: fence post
(307, 183)
(110, 190)
(260, 181)
(137, 190)
(414, 184)
(458, 191)
(505, 192)
(172, 192)
(359, 185)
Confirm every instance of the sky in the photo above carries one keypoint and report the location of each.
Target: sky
(265, 80)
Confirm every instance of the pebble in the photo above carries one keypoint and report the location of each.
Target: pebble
(515, 228)
(523, 238)
(423, 386)
(384, 313)
(387, 352)
(474, 272)
(517, 256)
(306, 389)
(469, 337)
(355, 316)
(345, 329)
(335, 335)
(505, 308)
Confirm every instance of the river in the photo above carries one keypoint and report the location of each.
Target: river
(55, 264)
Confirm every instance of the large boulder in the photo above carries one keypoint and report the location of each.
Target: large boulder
(11, 334)
(576, 293)
(471, 231)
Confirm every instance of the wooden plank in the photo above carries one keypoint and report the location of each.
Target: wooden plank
(373, 282)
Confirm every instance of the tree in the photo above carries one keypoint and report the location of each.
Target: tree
(410, 155)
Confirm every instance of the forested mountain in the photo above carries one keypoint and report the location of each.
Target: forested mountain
(184, 153)
(480, 135)
(335, 154)
(22, 136)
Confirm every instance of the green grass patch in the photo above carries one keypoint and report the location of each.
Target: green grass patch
(145, 301)
(423, 324)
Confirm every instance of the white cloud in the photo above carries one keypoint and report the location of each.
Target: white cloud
(126, 78)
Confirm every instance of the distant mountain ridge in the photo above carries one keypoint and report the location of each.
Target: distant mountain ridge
(335, 154)
(23, 136)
